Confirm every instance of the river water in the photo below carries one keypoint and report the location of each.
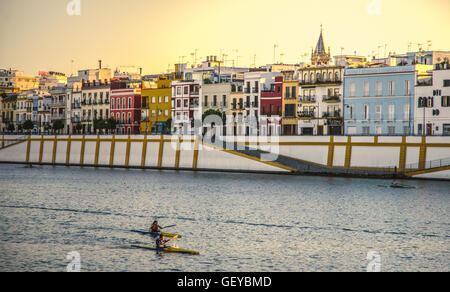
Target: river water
(238, 222)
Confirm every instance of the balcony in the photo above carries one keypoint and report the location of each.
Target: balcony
(76, 120)
(332, 98)
(307, 98)
(306, 114)
(58, 116)
(58, 104)
(332, 115)
(247, 90)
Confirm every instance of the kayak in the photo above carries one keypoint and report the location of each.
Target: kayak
(156, 234)
(166, 249)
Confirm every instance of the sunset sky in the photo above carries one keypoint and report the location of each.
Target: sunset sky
(40, 35)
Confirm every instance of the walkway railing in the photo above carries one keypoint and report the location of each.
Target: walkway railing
(428, 164)
(17, 140)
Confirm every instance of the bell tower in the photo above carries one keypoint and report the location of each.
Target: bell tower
(320, 56)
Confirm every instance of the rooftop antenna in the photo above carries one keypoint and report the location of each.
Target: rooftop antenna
(99, 64)
(274, 53)
(254, 61)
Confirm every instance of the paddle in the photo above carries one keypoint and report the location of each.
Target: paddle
(168, 226)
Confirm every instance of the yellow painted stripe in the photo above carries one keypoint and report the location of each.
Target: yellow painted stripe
(55, 145)
(423, 153)
(97, 150)
(111, 151)
(127, 153)
(348, 152)
(195, 158)
(83, 146)
(144, 151)
(271, 163)
(178, 152)
(41, 149)
(402, 159)
(28, 149)
(69, 146)
(161, 151)
(331, 152)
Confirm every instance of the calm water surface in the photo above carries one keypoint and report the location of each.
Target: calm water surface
(238, 222)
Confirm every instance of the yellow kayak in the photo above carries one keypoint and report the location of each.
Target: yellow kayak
(167, 249)
(155, 234)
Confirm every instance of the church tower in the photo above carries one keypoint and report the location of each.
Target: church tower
(320, 56)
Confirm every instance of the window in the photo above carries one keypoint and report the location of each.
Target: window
(379, 88)
(378, 130)
(391, 130)
(391, 88)
(166, 113)
(378, 110)
(129, 102)
(112, 103)
(206, 100)
(445, 101)
(406, 130)
(446, 83)
(351, 110)
(407, 87)
(406, 111)
(153, 99)
(391, 112)
(293, 92)
(186, 89)
(288, 92)
(366, 112)
(166, 99)
(186, 103)
(352, 89)
(366, 88)
(124, 103)
(366, 131)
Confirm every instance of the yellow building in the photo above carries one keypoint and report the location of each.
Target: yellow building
(290, 104)
(157, 104)
(8, 115)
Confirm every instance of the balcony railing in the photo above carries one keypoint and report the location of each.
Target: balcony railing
(332, 98)
(306, 114)
(307, 98)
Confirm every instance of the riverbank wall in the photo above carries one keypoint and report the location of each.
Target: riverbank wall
(404, 157)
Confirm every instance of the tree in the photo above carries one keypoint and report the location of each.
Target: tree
(58, 125)
(100, 124)
(168, 125)
(28, 125)
(78, 127)
(11, 128)
(111, 124)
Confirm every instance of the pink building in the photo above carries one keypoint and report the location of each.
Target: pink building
(126, 105)
(271, 109)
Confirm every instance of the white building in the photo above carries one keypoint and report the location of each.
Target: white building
(254, 83)
(432, 100)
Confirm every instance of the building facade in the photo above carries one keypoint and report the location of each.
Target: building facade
(432, 100)
(186, 106)
(271, 108)
(380, 101)
(290, 103)
(126, 105)
(95, 104)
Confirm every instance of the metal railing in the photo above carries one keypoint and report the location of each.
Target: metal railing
(429, 164)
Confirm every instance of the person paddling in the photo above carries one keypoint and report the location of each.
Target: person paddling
(155, 228)
(161, 243)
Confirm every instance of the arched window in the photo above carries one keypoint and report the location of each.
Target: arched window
(336, 76)
(129, 102)
(318, 77)
(305, 78)
(312, 77)
(324, 76)
(124, 103)
(112, 103)
(330, 76)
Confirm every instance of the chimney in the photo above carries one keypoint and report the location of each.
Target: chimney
(99, 64)
(140, 71)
